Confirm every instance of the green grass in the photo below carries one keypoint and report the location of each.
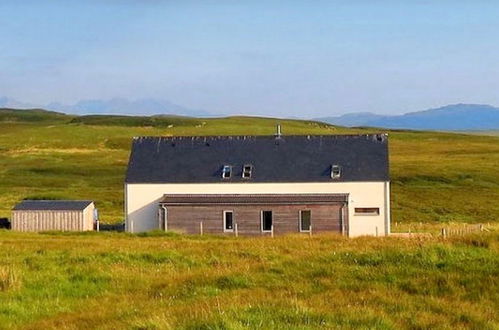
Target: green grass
(138, 121)
(104, 280)
(436, 177)
(163, 280)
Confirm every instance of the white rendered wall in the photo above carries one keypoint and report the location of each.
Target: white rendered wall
(141, 200)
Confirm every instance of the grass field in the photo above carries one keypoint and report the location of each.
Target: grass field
(436, 177)
(115, 281)
(167, 281)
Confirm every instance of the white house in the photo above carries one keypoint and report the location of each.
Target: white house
(259, 185)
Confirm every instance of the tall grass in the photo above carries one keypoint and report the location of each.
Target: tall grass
(110, 280)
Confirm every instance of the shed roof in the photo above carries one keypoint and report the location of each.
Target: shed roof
(273, 159)
(52, 205)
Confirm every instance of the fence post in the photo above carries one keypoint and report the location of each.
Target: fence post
(310, 231)
(272, 230)
(201, 228)
(235, 230)
(376, 231)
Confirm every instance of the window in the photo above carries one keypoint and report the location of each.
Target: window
(247, 169)
(266, 220)
(305, 220)
(367, 211)
(226, 172)
(335, 171)
(228, 221)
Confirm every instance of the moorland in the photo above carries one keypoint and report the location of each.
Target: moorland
(163, 280)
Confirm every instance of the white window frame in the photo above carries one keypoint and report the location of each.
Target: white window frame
(333, 168)
(233, 222)
(261, 221)
(250, 171)
(299, 223)
(230, 172)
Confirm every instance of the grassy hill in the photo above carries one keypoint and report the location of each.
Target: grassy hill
(168, 281)
(436, 177)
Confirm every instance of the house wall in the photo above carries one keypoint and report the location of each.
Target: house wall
(35, 221)
(187, 218)
(141, 200)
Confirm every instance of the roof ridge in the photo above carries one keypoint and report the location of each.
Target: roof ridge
(198, 137)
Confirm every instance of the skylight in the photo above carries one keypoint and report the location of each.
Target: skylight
(247, 169)
(226, 172)
(335, 172)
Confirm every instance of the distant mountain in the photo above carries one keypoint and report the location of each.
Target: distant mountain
(116, 106)
(6, 102)
(452, 117)
(121, 106)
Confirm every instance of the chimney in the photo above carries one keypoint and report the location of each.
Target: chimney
(278, 132)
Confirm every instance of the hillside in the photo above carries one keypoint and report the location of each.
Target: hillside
(152, 281)
(85, 158)
(32, 115)
(459, 117)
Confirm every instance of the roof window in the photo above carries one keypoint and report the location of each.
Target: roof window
(247, 169)
(226, 172)
(335, 171)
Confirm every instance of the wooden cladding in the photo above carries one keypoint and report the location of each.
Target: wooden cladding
(53, 220)
(257, 219)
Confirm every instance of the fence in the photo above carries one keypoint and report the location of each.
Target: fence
(466, 229)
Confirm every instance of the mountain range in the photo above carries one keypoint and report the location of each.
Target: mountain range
(451, 117)
(115, 106)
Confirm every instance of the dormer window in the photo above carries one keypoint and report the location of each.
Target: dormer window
(247, 169)
(226, 172)
(335, 172)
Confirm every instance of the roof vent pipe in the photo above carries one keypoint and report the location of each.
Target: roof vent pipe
(278, 132)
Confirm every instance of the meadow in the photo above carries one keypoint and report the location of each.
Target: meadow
(168, 281)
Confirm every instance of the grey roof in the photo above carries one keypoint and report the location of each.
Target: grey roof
(283, 159)
(52, 205)
(238, 199)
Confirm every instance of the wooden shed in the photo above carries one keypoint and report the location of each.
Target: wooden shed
(64, 215)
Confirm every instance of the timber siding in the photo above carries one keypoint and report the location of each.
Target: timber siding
(29, 219)
(286, 218)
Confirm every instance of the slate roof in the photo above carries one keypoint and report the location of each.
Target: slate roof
(248, 199)
(52, 205)
(274, 159)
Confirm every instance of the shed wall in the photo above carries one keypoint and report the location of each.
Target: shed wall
(35, 221)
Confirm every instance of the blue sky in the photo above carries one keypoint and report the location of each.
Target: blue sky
(286, 58)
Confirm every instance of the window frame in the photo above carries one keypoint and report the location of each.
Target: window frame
(223, 172)
(300, 219)
(249, 173)
(225, 221)
(359, 211)
(335, 167)
(271, 223)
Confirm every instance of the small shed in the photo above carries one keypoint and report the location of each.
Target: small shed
(64, 215)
